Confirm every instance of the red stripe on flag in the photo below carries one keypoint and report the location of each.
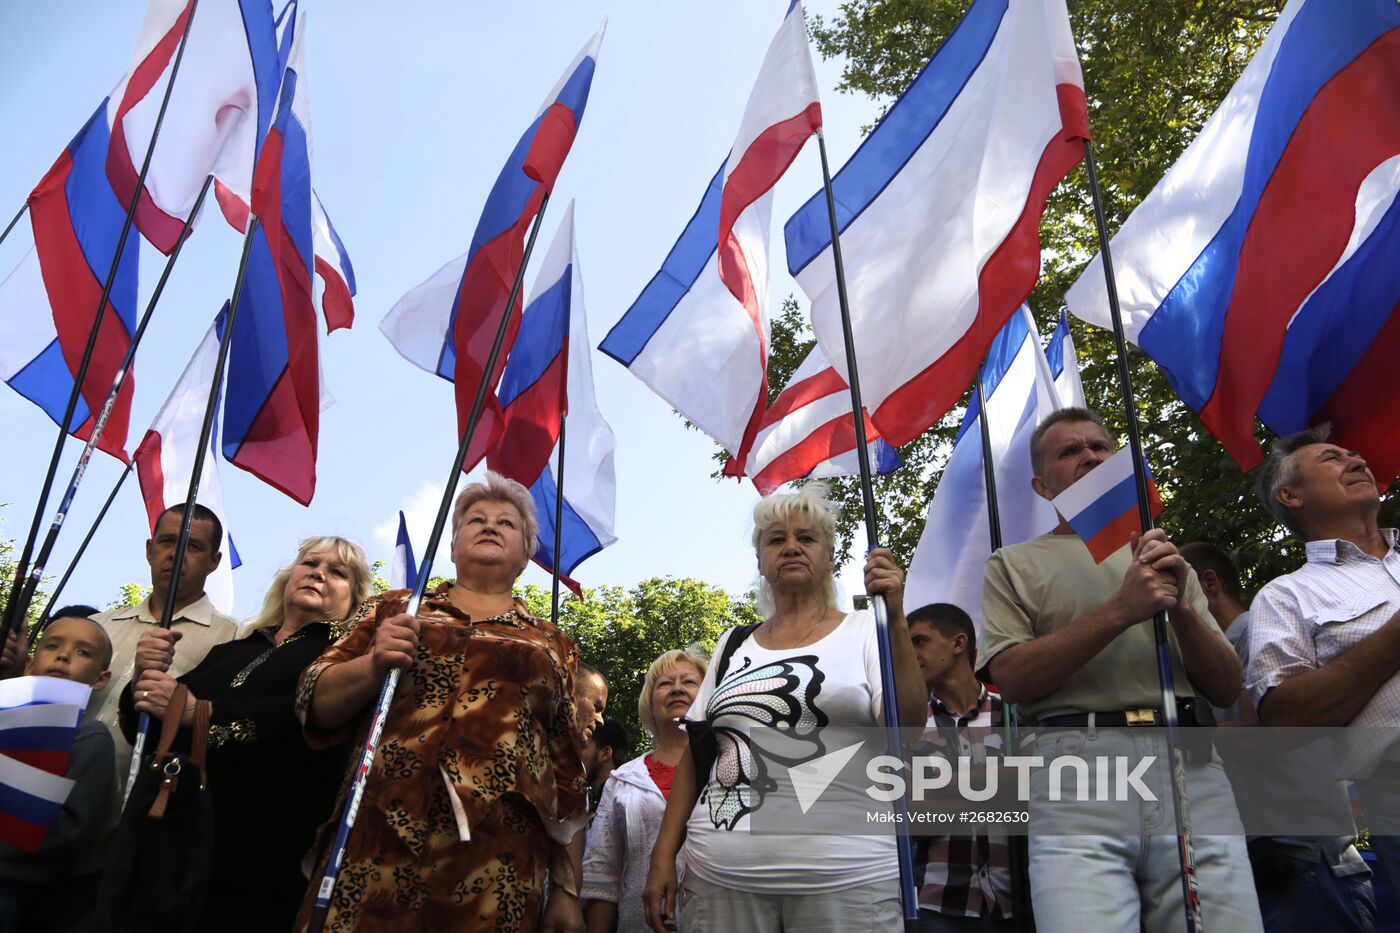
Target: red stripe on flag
(277, 448)
(1114, 535)
(336, 301)
(21, 834)
(1362, 408)
(550, 146)
(1004, 283)
(161, 229)
(832, 439)
(1288, 251)
(234, 208)
(151, 476)
(801, 394)
(54, 762)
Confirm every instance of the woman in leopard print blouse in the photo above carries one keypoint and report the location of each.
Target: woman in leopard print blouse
(477, 789)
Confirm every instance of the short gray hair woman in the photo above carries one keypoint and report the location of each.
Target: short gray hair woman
(807, 666)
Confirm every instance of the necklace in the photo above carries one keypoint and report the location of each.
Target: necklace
(801, 639)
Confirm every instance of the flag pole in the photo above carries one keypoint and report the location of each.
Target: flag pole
(167, 617)
(1186, 852)
(908, 894)
(14, 220)
(36, 571)
(12, 614)
(72, 564)
(558, 522)
(326, 887)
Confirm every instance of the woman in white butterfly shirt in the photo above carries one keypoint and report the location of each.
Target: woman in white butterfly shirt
(807, 666)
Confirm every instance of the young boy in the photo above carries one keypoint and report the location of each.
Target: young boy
(964, 881)
(55, 888)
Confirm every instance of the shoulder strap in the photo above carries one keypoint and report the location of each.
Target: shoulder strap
(199, 745)
(170, 725)
(737, 636)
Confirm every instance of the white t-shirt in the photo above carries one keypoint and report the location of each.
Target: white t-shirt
(834, 681)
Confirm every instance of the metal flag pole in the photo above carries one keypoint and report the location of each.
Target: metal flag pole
(12, 609)
(167, 616)
(326, 887)
(908, 894)
(14, 220)
(36, 571)
(558, 520)
(72, 564)
(1186, 852)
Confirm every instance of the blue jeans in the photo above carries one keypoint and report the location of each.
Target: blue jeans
(1297, 896)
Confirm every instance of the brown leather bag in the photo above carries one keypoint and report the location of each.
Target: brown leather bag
(162, 855)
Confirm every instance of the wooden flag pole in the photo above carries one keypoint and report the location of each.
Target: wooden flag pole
(12, 609)
(908, 893)
(206, 431)
(1186, 852)
(36, 571)
(326, 887)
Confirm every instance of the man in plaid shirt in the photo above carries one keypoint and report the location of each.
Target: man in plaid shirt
(964, 881)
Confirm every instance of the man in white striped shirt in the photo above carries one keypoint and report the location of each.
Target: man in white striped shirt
(1324, 641)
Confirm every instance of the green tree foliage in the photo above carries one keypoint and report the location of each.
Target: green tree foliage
(8, 560)
(130, 594)
(621, 631)
(1154, 73)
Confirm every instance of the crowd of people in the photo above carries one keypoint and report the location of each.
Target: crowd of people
(502, 798)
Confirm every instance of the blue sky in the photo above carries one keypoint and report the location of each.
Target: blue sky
(414, 109)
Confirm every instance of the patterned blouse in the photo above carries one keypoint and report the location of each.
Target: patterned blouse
(487, 708)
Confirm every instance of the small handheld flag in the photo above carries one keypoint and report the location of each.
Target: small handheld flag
(38, 719)
(1102, 506)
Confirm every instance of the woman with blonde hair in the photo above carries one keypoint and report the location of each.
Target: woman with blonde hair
(634, 799)
(477, 788)
(807, 666)
(269, 790)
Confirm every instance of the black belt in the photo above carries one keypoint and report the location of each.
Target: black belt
(1118, 717)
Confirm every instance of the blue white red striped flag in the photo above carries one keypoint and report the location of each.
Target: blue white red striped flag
(220, 108)
(273, 398)
(1023, 385)
(403, 571)
(47, 303)
(808, 432)
(1102, 506)
(939, 211)
(38, 719)
(166, 454)
(1261, 272)
(698, 333)
(447, 324)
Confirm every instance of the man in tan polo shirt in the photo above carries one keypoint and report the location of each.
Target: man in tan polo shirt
(197, 625)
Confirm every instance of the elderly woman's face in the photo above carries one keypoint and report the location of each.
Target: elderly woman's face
(795, 553)
(321, 585)
(673, 693)
(491, 533)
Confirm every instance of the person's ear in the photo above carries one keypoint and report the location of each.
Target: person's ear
(1040, 488)
(1288, 497)
(101, 681)
(960, 643)
(1210, 582)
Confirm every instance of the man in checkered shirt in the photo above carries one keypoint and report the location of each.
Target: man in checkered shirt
(1324, 640)
(964, 881)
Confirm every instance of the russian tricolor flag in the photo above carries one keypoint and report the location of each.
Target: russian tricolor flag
(165, 458)
(447, 324)
(1261, 272)
(698, 333)
(403, 571)
(47, 303)
(38, 719)
(1102, 507)
(939, 211)
(273, 400)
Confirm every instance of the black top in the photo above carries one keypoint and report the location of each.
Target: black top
(270, 791)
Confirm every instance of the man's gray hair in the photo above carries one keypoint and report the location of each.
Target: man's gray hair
(497, 488)
(1059, 416)
(1280, 470)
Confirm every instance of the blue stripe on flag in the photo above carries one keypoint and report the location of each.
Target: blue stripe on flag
(98, 217)
(683, 265)
(1055, 353)
(1106, 509)
(1000, 355)
(577, 543)
(39, 738)
(543, 328)
(234, 560)
(47, 381)
(27, 807)
(898, 136)
(574, 93)
(1322, 40)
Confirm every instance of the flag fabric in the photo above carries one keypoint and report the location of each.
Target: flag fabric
(590, 481)
(447, 324)
(1102, 506)
(220, 108)
(939, 210)
(403, 572)
(1023, 385)
(273, 398)
(165, 458)
(698, 333)
(47, 304)
(533, 391)
(808, 432)
(38, 719)
(1261, 272)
